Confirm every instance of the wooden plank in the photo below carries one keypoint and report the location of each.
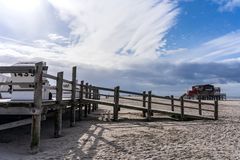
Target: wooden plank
(19, 69)
(98, 101)
(67, 81)
(161, 97)
(73, 97)
(197, 102)
(50, 76)
(58, 113)
(36, 119)
(133, 99)
(129, 92)
(15, 83)
(161, 103)
(19, 110)
(15, 124)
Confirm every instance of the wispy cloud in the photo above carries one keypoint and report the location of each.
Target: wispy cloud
(227, 5)
(116, 33)
(221, 49)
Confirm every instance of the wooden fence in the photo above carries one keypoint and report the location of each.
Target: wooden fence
(89, 98)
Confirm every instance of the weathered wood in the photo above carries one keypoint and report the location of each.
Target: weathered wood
(58, 113)
(15, 83)
(50, 76)
(129, 92)
(86, 105)
(36, 119)
(73, 97)
(80, 101)
(172, 102)
(216, 109)
(92, 97)
(19, 69)
(149, 109)
(15, 124)
(89, 96)
(144, 103)
(182, 108)
(116, 103)
(98, 98)
(127, 98)
(200, 106)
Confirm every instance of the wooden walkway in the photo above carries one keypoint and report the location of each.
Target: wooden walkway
(89, 99)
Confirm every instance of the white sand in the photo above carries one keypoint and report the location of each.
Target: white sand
(132, 139)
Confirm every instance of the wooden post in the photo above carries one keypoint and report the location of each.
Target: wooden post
(200, 106)
(216, 109)
(182, 108)
(80, 101)
(144, 103)
(58, 113)
(98, 98)
(73, 98)
(93, 97)
(172, 102)
(116, 103)
(149, 109)
(86, 105)
(90, 97)
(36, 119)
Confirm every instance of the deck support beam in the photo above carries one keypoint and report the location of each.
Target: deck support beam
(36, 119)
(58, 113)
(73, 98)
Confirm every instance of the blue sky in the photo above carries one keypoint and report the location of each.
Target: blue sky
(161, 45)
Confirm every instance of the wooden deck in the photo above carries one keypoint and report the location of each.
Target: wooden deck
(90, 97)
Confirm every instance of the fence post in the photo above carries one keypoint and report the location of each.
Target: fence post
(149, 109)
(172, 102)
(93, 97)
(36, 119)
(216, 109)
(73, 98)
(98, 98)
(58, 113)
(200, 106)
(86, 104)
(182, 108)
(144, 103)
(90, 97)
(80, 101)
(116, 103)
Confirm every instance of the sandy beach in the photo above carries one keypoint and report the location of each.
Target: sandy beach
(131, 138)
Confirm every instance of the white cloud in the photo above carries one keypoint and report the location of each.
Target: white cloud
(116, 33)
(221, 49)
(227, 5)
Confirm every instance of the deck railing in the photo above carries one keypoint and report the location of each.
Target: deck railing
(91, 96)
